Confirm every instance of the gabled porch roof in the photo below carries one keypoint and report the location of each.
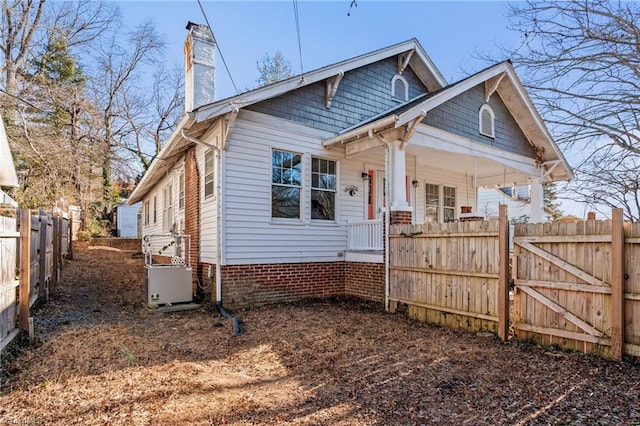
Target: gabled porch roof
(499, 78)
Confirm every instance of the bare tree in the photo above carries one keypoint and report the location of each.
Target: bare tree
(580, 61)
(120, 63)
(273, 68)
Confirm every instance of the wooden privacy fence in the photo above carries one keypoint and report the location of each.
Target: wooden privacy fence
(451, 273)
(32, 248)
(577, 285)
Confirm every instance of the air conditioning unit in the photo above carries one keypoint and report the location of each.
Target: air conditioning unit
(167, 271)
(167, 284)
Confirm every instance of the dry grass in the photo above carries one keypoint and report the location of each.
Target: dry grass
(102, 358)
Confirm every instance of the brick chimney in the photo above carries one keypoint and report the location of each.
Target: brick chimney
(199, 67)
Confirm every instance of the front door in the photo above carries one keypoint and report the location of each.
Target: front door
(377, 198)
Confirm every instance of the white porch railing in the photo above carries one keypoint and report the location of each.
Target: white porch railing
(365, 235)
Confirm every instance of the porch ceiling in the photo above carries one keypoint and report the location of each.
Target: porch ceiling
(488, 173)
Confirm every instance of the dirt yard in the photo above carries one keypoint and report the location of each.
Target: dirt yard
(101, 357)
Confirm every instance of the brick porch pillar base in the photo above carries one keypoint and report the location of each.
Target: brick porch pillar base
(400, 217)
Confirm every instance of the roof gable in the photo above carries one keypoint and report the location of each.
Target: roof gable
(414, 55)
(363, 93)
(502, 79)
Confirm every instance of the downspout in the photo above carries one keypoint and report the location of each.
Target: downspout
(387, 217)
(219, 307)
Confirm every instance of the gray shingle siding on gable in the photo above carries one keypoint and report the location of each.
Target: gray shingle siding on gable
(362, 94)
(460, 116)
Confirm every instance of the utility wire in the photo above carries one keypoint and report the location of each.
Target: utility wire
(295, 12)
(218, 47)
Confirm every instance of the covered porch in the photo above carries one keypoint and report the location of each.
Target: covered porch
(424, 161)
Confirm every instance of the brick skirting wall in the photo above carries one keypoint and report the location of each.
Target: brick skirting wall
(257, 285)
(245, 286)
(365, 280)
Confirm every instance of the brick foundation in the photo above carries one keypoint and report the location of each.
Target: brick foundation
(257, 285)
(365, 281)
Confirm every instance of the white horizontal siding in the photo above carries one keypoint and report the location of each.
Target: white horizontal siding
(171, 177)
(208, 211)
(251, 235)
(490, 199)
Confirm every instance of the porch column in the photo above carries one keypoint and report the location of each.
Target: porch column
(537, 200)
(398, 172)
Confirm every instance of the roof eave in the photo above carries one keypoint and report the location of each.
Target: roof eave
(149, 179)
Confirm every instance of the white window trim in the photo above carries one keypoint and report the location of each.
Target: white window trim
(147, 212)
(205, 174)
(181, 191)
(304, 188)
(483, 108)
(155, 209)
(441, 206)
(394, 95)
(335, 191)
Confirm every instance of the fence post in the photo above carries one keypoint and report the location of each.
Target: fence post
(503, 280)
(56, 248)
(42, 289)
(617, 284)
(25, 268)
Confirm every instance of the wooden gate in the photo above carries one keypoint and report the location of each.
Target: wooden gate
(569, 285)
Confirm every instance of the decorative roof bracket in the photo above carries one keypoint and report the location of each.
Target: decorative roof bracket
(411, 127)
(331, 88)
(403, 60)
(491, 85)
(229, 123)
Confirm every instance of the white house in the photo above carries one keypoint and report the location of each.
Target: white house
(8, 177)
(517, 199)
(285, 190)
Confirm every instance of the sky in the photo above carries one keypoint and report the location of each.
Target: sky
(245, 31)
(453, 33)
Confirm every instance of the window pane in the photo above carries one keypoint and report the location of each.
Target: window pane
(449, 214)
(323, 205)
(431, 215)
(285, 202)
(449, 196)
(286, 170)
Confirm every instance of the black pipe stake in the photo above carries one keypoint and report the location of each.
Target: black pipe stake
(227, 315)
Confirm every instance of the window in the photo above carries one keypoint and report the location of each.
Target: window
(323, 189)
(435, 202)
(399, 88)
(432, 205)
(181, 191)
(286, 184)
(155, 209)
(487, 118)
(449, 203)
(167, 210)
(208, 173)
(146, 213)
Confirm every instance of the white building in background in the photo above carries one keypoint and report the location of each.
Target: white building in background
(517, 198)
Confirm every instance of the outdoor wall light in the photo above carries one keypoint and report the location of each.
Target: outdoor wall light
(365, 176)
(351, 190)
(415, 183)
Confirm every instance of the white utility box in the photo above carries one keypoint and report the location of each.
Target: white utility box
(165, 284)
(167, 269)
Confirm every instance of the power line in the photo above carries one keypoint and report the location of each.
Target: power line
(295, 12)
(218, 47)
